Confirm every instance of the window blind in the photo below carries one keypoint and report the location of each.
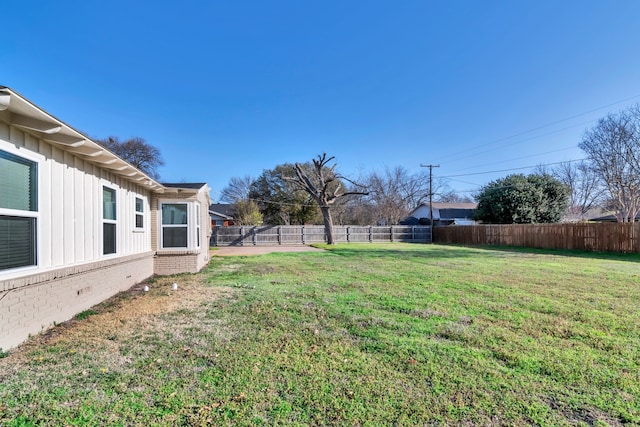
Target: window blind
(17, 242)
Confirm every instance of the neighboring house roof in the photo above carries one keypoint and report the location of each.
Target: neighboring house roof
(461, 205)
(592, 214)
(456, 213)
(221, 210)
(32, 119)
(444, 211)
(611, 218)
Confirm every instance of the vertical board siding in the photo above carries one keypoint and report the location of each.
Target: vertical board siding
(596, 237)
(79, 211)
(70, 204)
(57, 209)
(69, 215)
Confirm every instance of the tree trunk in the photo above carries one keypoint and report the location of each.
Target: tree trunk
(328, 224)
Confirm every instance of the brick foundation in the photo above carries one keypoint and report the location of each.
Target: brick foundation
(32, 304)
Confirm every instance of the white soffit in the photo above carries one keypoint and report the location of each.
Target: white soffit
(25, 115)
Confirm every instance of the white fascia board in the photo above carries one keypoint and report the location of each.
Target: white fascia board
(44, 126)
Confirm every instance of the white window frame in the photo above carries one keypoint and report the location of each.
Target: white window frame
(193, 225)
(138, 213)
(198, 242)
(27, 214)
(187, 225)
(109, 186)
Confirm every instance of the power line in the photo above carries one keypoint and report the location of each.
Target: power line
(430, 193)
(465, 182)
(519, 158)
(473, 153)
(512, 169)
(544, 126)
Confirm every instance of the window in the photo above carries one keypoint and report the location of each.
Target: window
(108, 220)
(174, 225)
(18, 211)
(139, 213)
(198, 226)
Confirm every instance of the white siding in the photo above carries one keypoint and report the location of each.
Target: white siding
(70, 205)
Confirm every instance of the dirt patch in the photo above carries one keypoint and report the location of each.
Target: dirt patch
(259, 250)
(125, 314)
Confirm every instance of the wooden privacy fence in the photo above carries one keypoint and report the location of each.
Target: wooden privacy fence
(300, 235)
(598, 237)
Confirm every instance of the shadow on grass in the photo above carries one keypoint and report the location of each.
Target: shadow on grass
(356, 250)
(441, 251)
(574, 253)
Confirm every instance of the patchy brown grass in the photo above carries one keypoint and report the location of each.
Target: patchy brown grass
(127, 314)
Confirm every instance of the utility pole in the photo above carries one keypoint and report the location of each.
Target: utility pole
(430, 194)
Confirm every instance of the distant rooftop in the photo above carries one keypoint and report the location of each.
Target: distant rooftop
(462, 205)
(222, 208)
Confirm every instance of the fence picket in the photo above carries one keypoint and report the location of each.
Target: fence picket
(596, 237)
(300, 235)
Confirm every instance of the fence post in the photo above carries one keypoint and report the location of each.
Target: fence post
(253, 236)
(413, 234)
(371, 234)
(279, 235)
(303, 237)
(347, 234)
(392, 234)
(241, 236)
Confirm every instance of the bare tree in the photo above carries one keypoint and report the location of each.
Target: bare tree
(357, 210)
(136, 151)
(237, 189)
(613, 147)
(394, 192)
(450, 196)
(324, 185)
(585, 186)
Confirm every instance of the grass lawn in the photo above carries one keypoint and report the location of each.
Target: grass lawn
(393, 334)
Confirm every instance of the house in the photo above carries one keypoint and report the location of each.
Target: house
(78, 224)
(444, 214)
(221, 215)
(613, 218)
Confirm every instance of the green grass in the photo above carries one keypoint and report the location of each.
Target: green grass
(357, 335)
(84, 314)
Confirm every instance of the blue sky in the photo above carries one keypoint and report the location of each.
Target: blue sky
(229, 88)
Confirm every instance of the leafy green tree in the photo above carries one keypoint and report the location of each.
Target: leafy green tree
(247, 212)
(280, 201)
(522, 199)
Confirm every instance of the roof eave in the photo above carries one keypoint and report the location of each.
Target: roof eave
(21, 113)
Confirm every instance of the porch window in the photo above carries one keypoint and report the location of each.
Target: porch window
(18, 211)
(174, 225)
(109, 224)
